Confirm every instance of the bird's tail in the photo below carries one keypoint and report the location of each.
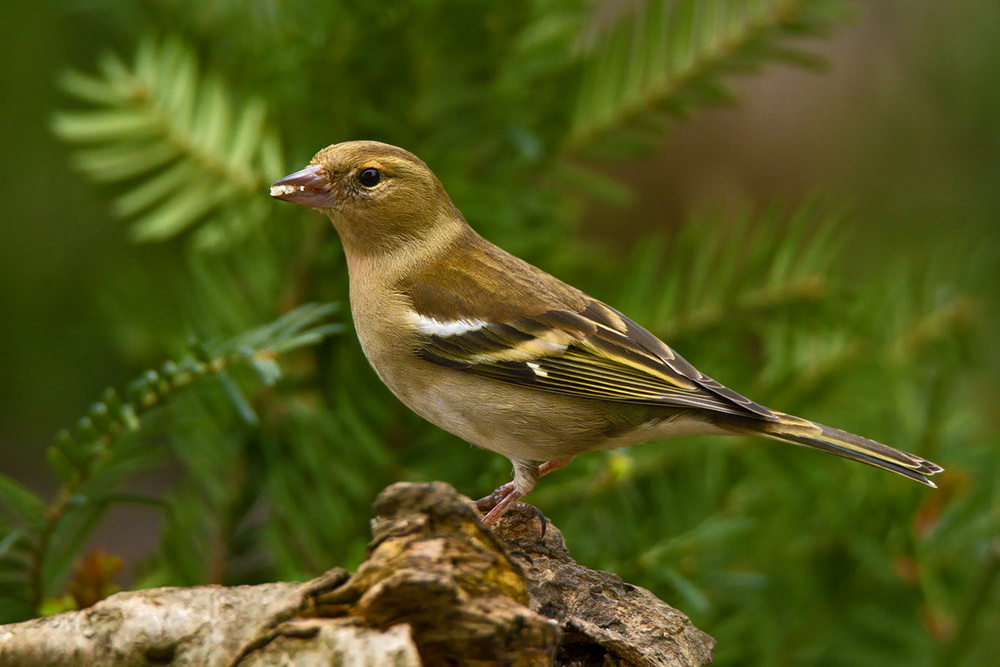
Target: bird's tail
(834, 441)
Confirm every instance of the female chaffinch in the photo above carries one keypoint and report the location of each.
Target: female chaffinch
(506, 356)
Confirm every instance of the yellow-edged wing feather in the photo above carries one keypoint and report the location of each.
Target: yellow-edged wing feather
(597, 353)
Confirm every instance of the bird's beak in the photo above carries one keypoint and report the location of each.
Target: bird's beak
(309, 187)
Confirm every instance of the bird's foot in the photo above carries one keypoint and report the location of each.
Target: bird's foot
(504, 499)
(498, 502)
(487, 503)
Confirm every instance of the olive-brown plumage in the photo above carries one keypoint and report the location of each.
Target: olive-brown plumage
(506, 356)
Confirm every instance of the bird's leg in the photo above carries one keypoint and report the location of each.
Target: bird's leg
(487, 503)
(526, 474)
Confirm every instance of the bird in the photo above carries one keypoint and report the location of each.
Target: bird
(506, 356)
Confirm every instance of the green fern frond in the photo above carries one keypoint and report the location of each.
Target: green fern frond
(186, 150)
(668, 56)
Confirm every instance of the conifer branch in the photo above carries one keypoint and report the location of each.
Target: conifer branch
(752, 266)
(87, 461)
(667, 56)
(176, 137)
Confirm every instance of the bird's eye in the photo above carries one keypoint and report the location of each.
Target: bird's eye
(369, 177)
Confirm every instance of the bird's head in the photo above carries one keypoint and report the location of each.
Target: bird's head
(378, 196)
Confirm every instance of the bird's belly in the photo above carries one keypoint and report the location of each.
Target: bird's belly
(518, 422)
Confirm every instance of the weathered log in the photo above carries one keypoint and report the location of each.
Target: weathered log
(436, 588)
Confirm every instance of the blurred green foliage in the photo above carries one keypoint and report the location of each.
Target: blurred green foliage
(180, 113)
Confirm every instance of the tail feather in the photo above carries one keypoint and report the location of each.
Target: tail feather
(834, 441)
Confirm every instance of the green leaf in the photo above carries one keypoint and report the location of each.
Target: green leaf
(10, 540)
(21, 499)
(69, 539)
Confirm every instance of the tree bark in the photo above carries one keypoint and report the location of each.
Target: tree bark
(436, 588)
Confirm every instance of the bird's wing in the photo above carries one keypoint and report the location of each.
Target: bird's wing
(594, 352)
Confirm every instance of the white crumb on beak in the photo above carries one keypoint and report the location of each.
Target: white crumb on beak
(279, 190)
(537, 370)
